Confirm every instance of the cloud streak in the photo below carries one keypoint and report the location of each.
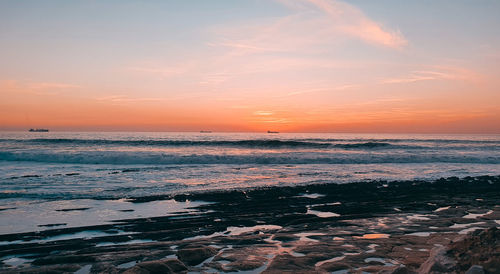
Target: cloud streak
(350, 20)
(435, 73)
(314, 23)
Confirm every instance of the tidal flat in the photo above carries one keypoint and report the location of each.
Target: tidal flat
(342, 228)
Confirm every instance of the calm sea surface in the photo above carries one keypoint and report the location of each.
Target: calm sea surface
(43, 172)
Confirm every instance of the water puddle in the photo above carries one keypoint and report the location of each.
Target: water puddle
(442, 209)
(322, 214)
(311, 195)
(470, 229)
(235, 231)
(466, 225)
(371, 248)
(84, 270)
(379, 260)
(80, 235)
(127, 265)
(16, 261)
(335, 259)
(123, 243)
(304, 236)
(420, 234)
(418, 217)
(373, 236)
(474, 215)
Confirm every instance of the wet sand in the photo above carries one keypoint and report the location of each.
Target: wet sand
(371, 226)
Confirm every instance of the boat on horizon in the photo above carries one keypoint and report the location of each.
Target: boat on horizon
(270, 131)
(205, 131)
(38, 130)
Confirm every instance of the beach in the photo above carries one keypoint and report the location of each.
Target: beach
(371, 227)
(305, 203)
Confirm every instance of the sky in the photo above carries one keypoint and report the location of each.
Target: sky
(251, 65)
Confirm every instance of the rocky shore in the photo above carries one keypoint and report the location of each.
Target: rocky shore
(445, 226)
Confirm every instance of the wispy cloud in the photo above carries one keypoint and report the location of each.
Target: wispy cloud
(37, 88)
(162, 70)
(311, 36)
(51, 85)
(127, 99)
(352, 21)
(435, 73)
(313, 23)
(263, 113)
(333, 88)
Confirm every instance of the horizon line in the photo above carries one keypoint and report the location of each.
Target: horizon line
(264, 132)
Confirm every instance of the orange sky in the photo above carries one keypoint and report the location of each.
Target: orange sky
(287, 65)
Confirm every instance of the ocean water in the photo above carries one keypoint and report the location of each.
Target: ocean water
(56, 177)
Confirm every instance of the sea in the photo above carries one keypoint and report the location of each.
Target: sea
(70, 179)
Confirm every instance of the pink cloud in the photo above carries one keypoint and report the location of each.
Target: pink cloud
(313, 26)
(436, 73)
(352, 21)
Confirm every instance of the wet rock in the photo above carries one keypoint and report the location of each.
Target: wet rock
(478, 248)
(438, 262)
(195, 255)
(139, 270)
(285, 237)
(175, 265)
(63, 259)
(365, 208)
(401, 270)
(53, 269)
(158, 267)
(475, 269)
(335, 266)
(52, 225)
(73, 209)
(286, 263)
(72, 174)
(245, 265)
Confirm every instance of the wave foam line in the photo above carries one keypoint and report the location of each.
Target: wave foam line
(157, 158)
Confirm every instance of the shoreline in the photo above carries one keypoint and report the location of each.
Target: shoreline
(375, 225)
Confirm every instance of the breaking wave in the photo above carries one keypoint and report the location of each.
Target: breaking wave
(262, 143)
(158, 158)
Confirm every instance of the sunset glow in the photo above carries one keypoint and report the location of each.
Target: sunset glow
(284, 65)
